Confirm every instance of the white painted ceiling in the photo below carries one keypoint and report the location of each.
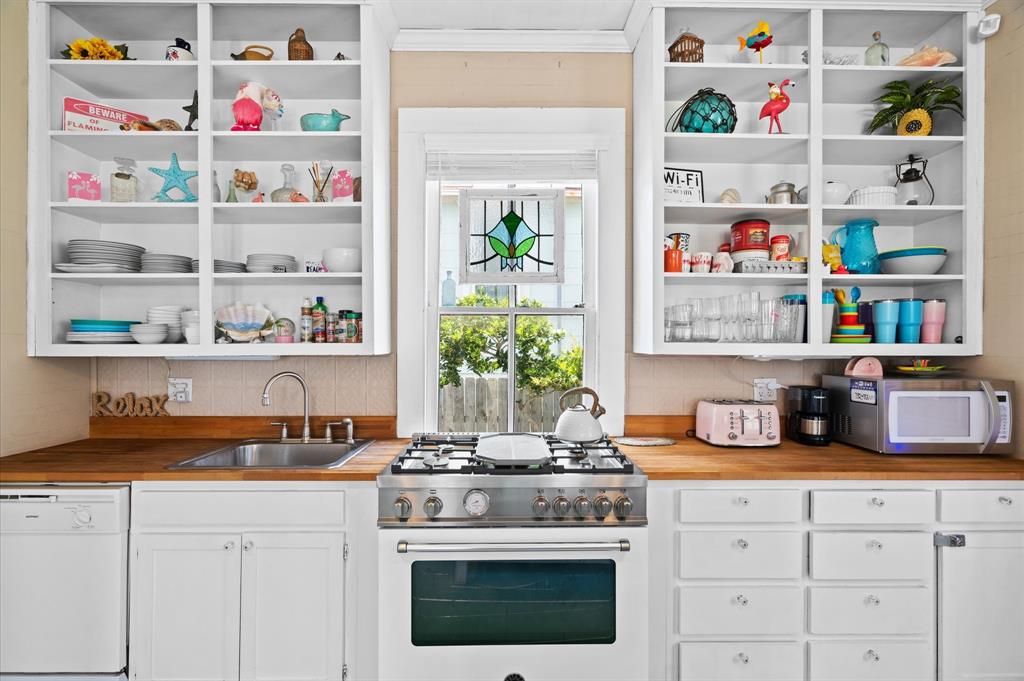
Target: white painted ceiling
(565, 15)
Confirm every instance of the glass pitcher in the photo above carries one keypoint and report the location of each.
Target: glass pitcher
(856, 240)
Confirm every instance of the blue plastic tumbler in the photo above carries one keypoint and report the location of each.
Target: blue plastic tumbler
(911, 314)
(885, 316)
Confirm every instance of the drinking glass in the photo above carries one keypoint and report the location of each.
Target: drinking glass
(713, 312)
(730, 312)
(701, 322)
(678, 323)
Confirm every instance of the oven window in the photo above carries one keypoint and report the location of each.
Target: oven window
(934, 417)
(513, 602)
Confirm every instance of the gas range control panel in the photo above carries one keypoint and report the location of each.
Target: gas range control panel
(484, 506)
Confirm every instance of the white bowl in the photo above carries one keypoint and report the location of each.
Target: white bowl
(148, 334)
(192, 335)
(174, 334)
(835, 192)
(914, 264)
(342, 259)
(875, 195)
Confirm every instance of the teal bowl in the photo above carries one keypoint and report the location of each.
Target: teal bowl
(850, 330)
(323, 122)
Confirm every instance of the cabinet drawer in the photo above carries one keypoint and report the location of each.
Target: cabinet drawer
(885, 507)
(740, 660)
(981, 506)
(871, 555)
(737, 554)
(738, 610)
(871, 611)
(740, 506)
(870, 661)
(309, 506)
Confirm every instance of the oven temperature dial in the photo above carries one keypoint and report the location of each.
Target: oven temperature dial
(476, 502)
(432, 507)
(562, 507)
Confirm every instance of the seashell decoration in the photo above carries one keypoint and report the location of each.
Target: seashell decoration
(730, 195)
(243, 323)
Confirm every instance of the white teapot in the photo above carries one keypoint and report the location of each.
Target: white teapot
(578, 423)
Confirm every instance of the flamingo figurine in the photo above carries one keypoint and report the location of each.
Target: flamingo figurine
(778, 101)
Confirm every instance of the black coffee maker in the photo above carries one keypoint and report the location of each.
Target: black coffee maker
(807, 418)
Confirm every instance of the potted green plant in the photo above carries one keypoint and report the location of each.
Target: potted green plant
(910, 110)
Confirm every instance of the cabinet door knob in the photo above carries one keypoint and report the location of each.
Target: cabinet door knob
(1006, 501)
(875, 544)
(742, 543)
(228, 545)
(877, 501)
(247, 546)
(742, 600)
(871, 655)
(872, 599)
(742, 657)
(743, 501)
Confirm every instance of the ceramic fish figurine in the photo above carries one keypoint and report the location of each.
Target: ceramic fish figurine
(757, 40)
(778, 101)
(929, 56)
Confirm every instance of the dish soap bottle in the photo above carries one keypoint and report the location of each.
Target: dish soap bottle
(283, 194)
(877, 53)
(306, 322)
(124, 185)
(319, 321)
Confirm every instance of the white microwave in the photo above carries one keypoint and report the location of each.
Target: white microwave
(922, 415)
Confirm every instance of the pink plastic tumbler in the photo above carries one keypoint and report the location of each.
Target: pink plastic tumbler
(932, 320)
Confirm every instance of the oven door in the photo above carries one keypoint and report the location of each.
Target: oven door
(478, 604)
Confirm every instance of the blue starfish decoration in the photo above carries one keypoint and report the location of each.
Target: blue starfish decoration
(175, 178)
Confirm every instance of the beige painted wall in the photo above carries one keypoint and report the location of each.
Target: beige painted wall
(1004, 206)
(42, 402)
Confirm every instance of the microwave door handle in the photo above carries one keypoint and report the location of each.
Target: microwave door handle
(512, 547)
(993, 417)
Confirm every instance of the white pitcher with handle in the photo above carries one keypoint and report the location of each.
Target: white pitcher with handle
(578, 423)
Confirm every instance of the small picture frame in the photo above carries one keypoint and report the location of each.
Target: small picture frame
(84, 186)
(683, 185)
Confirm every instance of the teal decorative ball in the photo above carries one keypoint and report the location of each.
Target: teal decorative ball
(707, 111)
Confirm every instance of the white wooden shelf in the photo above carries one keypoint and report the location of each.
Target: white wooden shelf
(142, 212)
(288, 277)
(888, 215)
(894, 349)
(104, 146)
(286, 349)
(733, 279)
(287, 213)
(696, 147)
(880, 150)
(742, 82)
(856, 84)
(890, 279)
(286, 145)
(63, 349)
(128, 278)
(740, 349)
(290, 79)
(139, 79)
(728, 213)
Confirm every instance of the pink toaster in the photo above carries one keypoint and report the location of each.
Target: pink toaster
(738, 423)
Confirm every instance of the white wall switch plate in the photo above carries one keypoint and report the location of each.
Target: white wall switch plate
(763, 392)
(179, 389)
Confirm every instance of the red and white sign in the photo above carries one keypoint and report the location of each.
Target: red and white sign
(83, 116)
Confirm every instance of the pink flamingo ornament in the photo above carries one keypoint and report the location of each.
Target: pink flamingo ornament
(778, 101)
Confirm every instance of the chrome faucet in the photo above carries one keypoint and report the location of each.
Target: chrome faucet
(305, 399)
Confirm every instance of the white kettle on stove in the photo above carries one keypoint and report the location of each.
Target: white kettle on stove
(579, 423)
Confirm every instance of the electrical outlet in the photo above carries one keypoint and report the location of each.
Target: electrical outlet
(179, 389)
(763, 390)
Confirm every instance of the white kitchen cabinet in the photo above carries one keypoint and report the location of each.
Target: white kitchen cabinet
(184, 610)
(292, 606)
(981, 607)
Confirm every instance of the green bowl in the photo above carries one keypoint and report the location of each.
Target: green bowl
(323, 122)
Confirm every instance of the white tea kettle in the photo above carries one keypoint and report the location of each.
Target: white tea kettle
(577, 423)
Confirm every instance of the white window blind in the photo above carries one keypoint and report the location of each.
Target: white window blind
(462, 165)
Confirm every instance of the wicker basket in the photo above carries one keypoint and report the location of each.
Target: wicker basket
(687, 48)
(298, 48)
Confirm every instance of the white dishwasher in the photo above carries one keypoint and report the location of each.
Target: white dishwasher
(63, 579)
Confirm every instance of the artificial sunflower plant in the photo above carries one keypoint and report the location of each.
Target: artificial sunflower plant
(95, 48)
(910, 110)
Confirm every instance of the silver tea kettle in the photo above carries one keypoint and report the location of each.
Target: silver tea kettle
(578, 423)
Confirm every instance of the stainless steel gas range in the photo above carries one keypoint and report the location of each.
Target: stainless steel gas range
(513, 557)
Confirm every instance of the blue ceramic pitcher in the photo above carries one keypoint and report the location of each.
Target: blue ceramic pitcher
(856, 241)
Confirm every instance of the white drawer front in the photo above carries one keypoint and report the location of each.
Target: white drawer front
(981, 506)
(740, 506)
(738, 610)
(739, 554)
(741, 660)
(871, 555)
(243, 508)
(895, 507)
(870, 611)
(870, 661)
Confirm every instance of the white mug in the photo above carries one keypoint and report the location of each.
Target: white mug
(701, 262)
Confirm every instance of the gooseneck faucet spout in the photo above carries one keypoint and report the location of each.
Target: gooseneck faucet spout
(305, 398)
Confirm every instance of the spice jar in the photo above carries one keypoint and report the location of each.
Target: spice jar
(780, 247)
(352, 327)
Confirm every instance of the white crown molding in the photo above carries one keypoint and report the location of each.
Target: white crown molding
(937, 5)
(635, 21)
(452, 40)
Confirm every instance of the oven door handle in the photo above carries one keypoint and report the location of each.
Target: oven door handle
(513, 547)
(993, 417)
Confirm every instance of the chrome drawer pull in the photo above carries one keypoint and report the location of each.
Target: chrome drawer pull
(743, 501)
(872, 599)
(742, 657)
(871, 655)
(742, 543)
(877, 501)
(513, 547)
(247, 546)
(1006, 501)
(875, 544)
(742, 600)
(228, 545)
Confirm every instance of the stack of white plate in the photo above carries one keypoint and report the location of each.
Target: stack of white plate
(222, 266)
(165, 263)
(271, 262)
(98, 255)
(170, 316)
(148, 334)
(99, 337)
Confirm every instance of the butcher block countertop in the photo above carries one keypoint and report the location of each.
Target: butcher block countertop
(125, 460)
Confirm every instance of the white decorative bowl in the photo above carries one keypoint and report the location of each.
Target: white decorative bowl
(878, 195)
(914, 264)
(148, 334)
(342, 259)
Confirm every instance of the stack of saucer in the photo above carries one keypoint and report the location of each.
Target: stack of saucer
(220, 266)
(271, 262)
(169, 315)
(117, 256)
(163, 263)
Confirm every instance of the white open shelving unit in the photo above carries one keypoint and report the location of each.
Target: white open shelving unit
(358, 87)
(826, 139)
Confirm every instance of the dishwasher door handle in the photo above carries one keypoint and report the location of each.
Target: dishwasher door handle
(513, 547)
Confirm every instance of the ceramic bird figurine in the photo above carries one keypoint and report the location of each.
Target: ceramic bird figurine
(778, 101)
(757, 40)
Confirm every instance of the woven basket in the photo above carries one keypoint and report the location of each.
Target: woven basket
(298, 48)
(687, 48)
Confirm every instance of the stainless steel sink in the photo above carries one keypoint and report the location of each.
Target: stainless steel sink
(276, 454)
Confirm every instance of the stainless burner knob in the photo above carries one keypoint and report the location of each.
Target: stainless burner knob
(541, 506)
(403, 507)
(583, 506)
(562, 507)
(623, 507)
(432, 507)
(602, 507)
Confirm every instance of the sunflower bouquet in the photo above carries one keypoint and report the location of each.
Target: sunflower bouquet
(95, 48)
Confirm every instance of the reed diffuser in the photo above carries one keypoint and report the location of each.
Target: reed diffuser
(320, 179)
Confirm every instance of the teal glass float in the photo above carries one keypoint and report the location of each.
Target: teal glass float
(321, 122)
(706, 111)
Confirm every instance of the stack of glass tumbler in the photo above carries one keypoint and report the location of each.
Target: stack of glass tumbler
(737, 318)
